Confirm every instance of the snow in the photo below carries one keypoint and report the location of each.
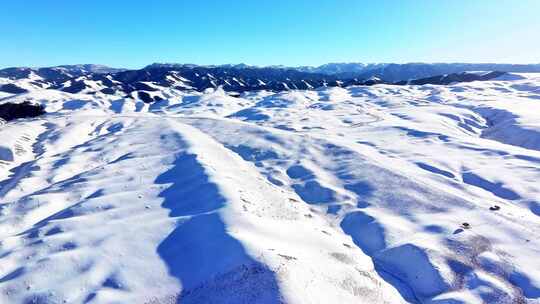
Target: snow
(32, 82)
(334, 195)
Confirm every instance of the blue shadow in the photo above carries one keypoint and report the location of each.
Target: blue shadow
(212, 266)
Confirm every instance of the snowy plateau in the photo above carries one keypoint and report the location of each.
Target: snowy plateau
(364, 194)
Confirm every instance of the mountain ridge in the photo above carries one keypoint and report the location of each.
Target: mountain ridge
(98, 79)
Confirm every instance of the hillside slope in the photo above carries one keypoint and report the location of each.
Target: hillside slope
(379, 194)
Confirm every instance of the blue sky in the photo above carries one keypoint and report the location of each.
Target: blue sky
(303, 32)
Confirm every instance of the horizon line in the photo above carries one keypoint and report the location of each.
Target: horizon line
(264, 66)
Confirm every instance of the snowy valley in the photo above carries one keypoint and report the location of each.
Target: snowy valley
(357, 194)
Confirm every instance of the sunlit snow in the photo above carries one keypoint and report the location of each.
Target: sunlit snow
(381, 194)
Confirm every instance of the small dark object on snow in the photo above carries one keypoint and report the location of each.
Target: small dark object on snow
(494, 208)
(466, 225)
(287, 257)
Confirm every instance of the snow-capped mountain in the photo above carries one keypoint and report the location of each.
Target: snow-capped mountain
(58, 73)
(24, 79)
(342, 68)
(144, 83)
(392, 72)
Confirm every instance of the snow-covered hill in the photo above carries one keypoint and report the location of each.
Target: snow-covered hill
(364, 194)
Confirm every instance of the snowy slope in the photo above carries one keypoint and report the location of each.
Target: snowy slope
(380, 194)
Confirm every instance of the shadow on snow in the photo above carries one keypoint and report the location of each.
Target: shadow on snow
(212, 266)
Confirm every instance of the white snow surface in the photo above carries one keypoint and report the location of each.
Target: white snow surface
(376, 194)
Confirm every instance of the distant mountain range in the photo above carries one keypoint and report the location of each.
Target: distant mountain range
(58, 73)
(145, 83)
(389, 72)
(393, 72)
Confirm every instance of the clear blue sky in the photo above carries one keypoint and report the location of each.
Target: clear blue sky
(134, 33)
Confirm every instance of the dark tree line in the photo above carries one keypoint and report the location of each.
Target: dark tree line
(10, 111)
